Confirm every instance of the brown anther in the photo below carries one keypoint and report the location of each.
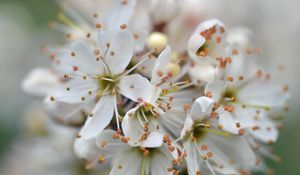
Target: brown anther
(228, 59)
(186, 107)
(75, 68)
(240, 77)
(146, 152)
(166, 138)
(218, 40)
(136, 36)
(258, 50)
(286, 88)
(159, 73)
(82, 98)
(213, 114)
(115, 136)
(101, 159)
(254, 128)
(222, 29)
(229, 78)
(204, 147)
(204, 156)
(98, 26)
(241, 131)
(68, 36)
(68, 89)
(209, 94)
(235, 52)
(123, 26)
(209, 154)
(238, 124)
(125, 139)
(88, 35)
(73, 54)
(249, 51)
(102, 144)
(198, 172)
(229, 108)
(220, 126)
(52, 99)
(66, 76)
(78, 136)
(124, 2)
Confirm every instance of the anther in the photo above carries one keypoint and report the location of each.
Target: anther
(98, 26)
(123, 26)
(52, 98)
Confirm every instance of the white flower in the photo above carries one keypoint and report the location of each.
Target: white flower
(133, 160)
(207, 42)
(245, 94)
(105, 15)
(160, 110)
(98, 75)
(207, 150)
(205, 46)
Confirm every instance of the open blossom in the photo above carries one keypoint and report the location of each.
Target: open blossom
(98, 75)
(164, 113)
(207, 149)
(129, 159)
(245, 94)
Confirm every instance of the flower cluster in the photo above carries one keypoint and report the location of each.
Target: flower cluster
(154, 92)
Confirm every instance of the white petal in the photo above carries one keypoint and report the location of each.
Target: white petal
(202, 73)
(66, 112)
(102, 115)
(161, 64)
(267, 130)
(120, 52)
(140, 41)
(187, 126)
(193, 158)
(162, 14)
(216, 88)
(138, 88)
(228, 122)
(161, 161)
(264, 94)
(201, 108)
(85, 59)
(86, 149)
(132, 127)
(154, 139)
(111, 143)
(233, 148)
(78, 88)
(39, 82)
(113, 13)
(195, 42)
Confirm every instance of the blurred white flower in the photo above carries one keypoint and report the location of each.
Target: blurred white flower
(244, 94)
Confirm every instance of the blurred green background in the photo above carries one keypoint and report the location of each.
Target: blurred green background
(40, 12)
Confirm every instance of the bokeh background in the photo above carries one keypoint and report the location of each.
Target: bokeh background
(24, 30)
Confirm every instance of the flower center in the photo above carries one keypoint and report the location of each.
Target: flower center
(108, 84)
(146, 113)
(199, 131)
(229, 95)
(203, 50)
